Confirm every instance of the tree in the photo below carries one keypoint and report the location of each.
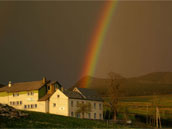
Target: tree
(113, 92)
(83, 108)
(124, 110)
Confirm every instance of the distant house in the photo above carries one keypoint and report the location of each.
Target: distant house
(50, 97)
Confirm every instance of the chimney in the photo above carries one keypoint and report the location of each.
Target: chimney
(9, 84)
(44, 80)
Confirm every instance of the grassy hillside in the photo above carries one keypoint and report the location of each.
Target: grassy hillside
(156, 77)
(42, 120)
(153, 83)
(144, 105)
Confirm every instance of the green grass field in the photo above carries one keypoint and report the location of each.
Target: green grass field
(42, 120)
(143, 104)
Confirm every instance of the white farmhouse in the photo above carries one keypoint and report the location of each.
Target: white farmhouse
(50, 97)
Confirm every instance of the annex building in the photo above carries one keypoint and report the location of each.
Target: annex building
(50, 97)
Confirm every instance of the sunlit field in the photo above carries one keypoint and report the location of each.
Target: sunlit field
(145, 105)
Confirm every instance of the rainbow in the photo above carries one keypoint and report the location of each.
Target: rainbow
(96, 42)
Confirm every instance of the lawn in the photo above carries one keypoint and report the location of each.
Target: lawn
(42, 120)
(143, 104)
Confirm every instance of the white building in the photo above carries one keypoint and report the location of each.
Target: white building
(49, 97)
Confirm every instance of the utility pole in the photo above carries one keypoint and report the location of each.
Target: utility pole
(147, 114)
(158, 120)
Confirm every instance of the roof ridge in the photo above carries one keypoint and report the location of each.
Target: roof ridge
(26, 82)
(24, 86)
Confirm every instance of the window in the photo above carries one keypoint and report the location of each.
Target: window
(20, 102)
(77, 102)
(32, 106)
(78, 115)
(54, 104)
(100, 116)
(94, 105)
(100, 106)
(94, 115)
(48, 87)
(58, 96)
(71, 103)
(30, 93)
(89, 115)
(11, 103)
(89, 104)
(15, 94)
(17, 102)
(72, 114)
(83, 115)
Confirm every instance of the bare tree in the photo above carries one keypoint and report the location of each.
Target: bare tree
(113, 92)
(83, 108)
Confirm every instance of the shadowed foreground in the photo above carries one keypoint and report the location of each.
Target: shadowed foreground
(42, 120)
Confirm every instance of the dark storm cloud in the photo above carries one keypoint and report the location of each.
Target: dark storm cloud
(50, 39)
(45, 39)
(139, 39)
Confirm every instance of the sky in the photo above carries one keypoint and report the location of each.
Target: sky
(51, 38)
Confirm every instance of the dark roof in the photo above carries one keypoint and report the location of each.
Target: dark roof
(73, 94)
(90, 94)
(22, 86)
(87, 94)
(46, 97)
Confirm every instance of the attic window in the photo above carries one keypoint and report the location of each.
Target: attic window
(58, 96)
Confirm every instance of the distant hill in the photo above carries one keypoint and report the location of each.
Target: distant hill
(156, 77)
(153, 83)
